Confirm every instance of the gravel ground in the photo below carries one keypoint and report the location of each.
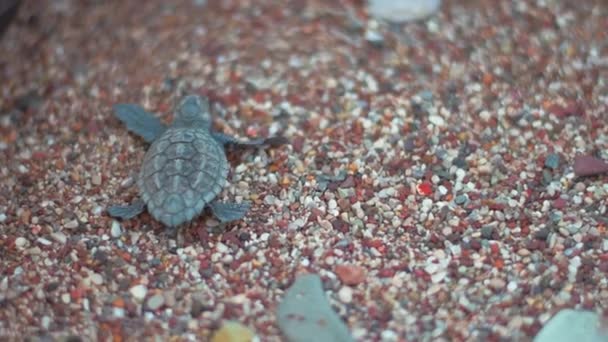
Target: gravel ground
(429, 180)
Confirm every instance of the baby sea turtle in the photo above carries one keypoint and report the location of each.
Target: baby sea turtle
(185, 168)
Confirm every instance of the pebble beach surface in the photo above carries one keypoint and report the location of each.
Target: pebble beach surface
(445, 177)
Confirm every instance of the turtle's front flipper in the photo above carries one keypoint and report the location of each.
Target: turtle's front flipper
(225, 139)
(139, 121)
(126, 212)
(227, 212)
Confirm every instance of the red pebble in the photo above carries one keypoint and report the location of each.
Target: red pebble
(252, 131)
(425, 188)
(350, 274)
(589, 166)
(373, 243)
(386, 273)
(559, 203)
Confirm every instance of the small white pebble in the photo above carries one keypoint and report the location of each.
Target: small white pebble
(45, 322)
(65, 298)
(96, 279)
(497, 283)
(485, 115)
(2, 217)
(115, 230)
(270, 199)
(119, 312)
(97, 210)
(332, 204)
(427, 204)
(139, 292)
(59, 237)
(345, 294)
(155, 302)
(21, 242)
(72, 224)
(460, 174)
(221, 248)
(389, 336)
(44, 241)
(437, 120)
(127, 182)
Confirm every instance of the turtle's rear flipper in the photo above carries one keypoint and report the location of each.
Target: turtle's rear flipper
(126, 212)
(139, 121)
(226, 212)
(225, 139)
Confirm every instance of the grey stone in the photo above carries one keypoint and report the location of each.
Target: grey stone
(552, 161)
(399, 11)
(304, 314)
(573, 325)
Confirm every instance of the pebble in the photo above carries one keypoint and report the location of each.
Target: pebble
(73, 224)
(332, 204)
(65, 298)
(350, 274)
(427, 204)
(155, 302)
(97, 210)
(118, 312)
(497, 283)
(127, 182)
(45, 322)
(115, 230)
(270, 199)
(139, 292)
(589, 166)
(21, 242)
(96, 179)
(96, 279)
(542, 233)
(59, 237)
(345, 294)
(374, 37)
(523, 252)
(389, 336)
(487, 232)
(572, 325)
(437, 120)
(2, 218)
(44, 241)
(303, 305)
(461, 199)
(552, 161)
(233, 332)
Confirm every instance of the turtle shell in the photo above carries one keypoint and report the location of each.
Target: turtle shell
(183, 170)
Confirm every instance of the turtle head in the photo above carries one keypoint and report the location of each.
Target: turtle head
(193, 111)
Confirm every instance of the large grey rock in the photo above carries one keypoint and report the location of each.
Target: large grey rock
(399, 11)
(573, 326)
(305, 315)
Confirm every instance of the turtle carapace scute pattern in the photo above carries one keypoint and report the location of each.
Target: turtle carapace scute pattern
(185, 167)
